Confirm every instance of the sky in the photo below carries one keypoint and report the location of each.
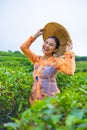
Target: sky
(21, 18)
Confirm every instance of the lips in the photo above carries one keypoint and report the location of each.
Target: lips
(45, 49)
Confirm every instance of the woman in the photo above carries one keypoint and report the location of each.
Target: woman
(47, 66)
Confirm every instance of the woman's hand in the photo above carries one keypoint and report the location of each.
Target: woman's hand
(39, 32)
(69, 47)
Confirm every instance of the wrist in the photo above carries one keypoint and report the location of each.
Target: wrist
(69, 52)
(35, 36)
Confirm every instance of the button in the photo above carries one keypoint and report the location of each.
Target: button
(36, 78)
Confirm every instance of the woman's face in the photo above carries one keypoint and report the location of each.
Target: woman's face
(49, 46)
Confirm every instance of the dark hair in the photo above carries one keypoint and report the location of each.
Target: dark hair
(56, 40)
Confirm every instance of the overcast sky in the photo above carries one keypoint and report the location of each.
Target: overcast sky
(21, 18)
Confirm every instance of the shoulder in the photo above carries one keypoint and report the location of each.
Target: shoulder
(60, 61)
(60, 58)
(38, 59)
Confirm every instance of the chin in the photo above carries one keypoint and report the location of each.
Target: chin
(46, 52)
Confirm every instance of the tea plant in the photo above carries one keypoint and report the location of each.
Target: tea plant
(65, 111)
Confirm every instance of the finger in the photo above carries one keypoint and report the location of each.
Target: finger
(69, 43)
(41, 30)
(71, 47)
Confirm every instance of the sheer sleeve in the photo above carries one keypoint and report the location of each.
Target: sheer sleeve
(25, 47)
(67, 64)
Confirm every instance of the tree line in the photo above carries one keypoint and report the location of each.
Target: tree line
(18, 53)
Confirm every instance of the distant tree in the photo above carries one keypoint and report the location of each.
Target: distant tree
(81, 58)
(17, 52)
(9, 51)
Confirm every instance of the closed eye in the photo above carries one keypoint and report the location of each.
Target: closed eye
(46, 42)
(51, 44)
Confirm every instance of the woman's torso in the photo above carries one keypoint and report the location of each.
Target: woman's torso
(44, 76)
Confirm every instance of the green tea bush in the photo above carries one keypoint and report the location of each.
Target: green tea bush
(15, 86)
(65, 111)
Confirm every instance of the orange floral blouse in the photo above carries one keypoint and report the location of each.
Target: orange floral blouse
(44, 73)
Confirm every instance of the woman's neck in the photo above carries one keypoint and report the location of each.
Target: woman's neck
(46, 57)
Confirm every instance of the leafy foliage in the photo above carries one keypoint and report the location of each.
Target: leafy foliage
(65, 111)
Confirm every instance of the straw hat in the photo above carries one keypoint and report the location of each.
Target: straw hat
(56, 29)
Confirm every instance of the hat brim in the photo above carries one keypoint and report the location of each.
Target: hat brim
(56, 29)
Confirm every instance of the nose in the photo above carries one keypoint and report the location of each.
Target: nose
(47, 45)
